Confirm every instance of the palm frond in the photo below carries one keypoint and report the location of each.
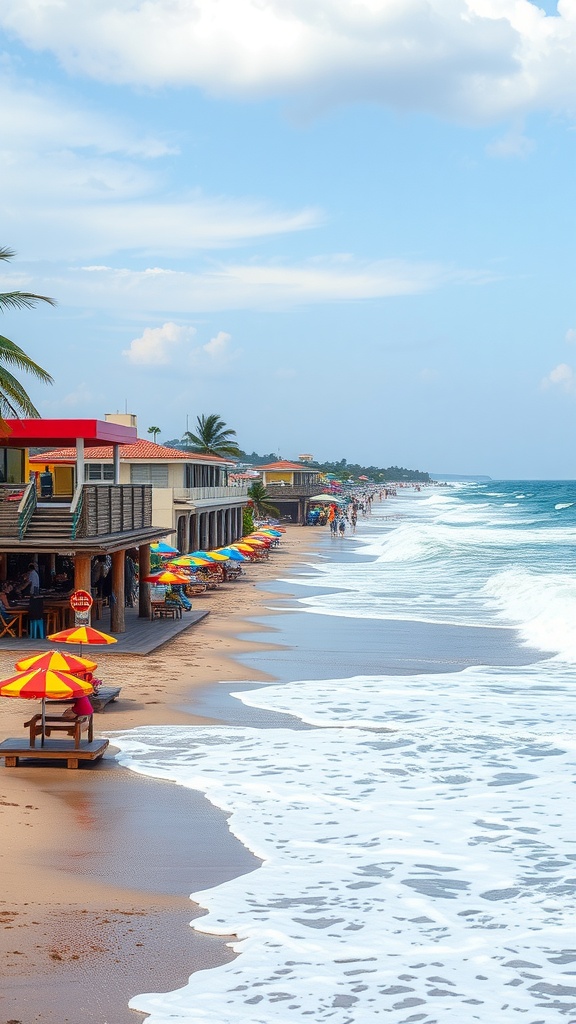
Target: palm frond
(23, 300)
(13, 355)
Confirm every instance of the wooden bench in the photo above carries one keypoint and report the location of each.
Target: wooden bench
(104, 695)
(72, 727)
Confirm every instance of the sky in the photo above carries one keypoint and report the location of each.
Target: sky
(345, 226)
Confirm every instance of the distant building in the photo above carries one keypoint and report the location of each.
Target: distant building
(306, 458)
(290, 486)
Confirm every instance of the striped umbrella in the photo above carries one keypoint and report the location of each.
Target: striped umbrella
(161, 548)
(233, 554)
(82, 635)
(218, 556)
(57, 661)
(188, 560)
(44, 684)
(167, 576)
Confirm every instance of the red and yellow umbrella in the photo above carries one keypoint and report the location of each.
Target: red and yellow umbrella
(167, 577)
(82, 635)
(57, 661)
(44, 684)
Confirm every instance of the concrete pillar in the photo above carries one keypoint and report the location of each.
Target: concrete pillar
(79, 461)
(118, 599)
(116, 462)
(144, 588)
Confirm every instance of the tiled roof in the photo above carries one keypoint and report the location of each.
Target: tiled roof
(279, 466)
(142, 449)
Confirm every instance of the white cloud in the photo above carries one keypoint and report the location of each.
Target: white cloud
(215, 357)
(473, 59)
(157, 345)
(77, 184)
(248, 286)
(570, 336)
(561, 376)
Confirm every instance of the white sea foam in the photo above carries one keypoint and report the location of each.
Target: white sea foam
(426, 873)
(459, 564)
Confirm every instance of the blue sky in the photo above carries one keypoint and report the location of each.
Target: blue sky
(348, 228)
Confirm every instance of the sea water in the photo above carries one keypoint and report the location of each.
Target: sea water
(417, 834)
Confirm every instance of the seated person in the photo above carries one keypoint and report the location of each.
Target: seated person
(5, 592)
(79, 708)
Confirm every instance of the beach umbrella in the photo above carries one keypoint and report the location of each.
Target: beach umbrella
(233, 554)
(57, 661)
(269, 532)
(82, 635)
(44, 684)
(218, 556)
(243, 548)
(167, 576)
(203, 554)
(188, 560)
(161, 548)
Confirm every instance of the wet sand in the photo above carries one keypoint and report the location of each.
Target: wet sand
(97, 864)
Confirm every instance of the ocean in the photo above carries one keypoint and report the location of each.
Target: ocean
(407, 781)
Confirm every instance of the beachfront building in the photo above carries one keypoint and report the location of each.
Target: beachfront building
(192, 498)
(50, 529)
(290, 486)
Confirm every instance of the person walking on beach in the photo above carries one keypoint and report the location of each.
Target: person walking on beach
(342, 526)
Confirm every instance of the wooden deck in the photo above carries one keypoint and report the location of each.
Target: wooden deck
(141, 637)
(16, 749)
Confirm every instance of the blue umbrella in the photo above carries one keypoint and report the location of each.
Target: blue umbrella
(233, 554)
(161, 548)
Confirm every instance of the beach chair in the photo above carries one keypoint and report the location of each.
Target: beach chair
(8, 623)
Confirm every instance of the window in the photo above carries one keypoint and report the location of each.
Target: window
(149, 474)
(98, 472)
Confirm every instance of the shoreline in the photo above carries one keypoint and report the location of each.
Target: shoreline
(90, 924)
(116, 908)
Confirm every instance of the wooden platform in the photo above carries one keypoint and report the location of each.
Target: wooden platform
(16, 749)
(141, 636)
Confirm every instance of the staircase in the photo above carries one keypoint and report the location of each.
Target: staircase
(9, 519)
(50, 525)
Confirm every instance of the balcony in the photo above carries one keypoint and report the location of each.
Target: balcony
(200, 496)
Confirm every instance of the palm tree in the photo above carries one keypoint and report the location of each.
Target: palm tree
(212, 437)
(154, 431)
(261, 503)
(14, 401)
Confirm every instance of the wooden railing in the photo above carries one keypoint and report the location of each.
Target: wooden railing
(116, 508)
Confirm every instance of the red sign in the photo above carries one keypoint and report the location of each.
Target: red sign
(81, 601)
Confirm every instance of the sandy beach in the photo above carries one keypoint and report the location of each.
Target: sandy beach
(97, 868)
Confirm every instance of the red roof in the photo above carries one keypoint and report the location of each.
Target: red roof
(39, 433)
(142, 449)
(279, 466)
